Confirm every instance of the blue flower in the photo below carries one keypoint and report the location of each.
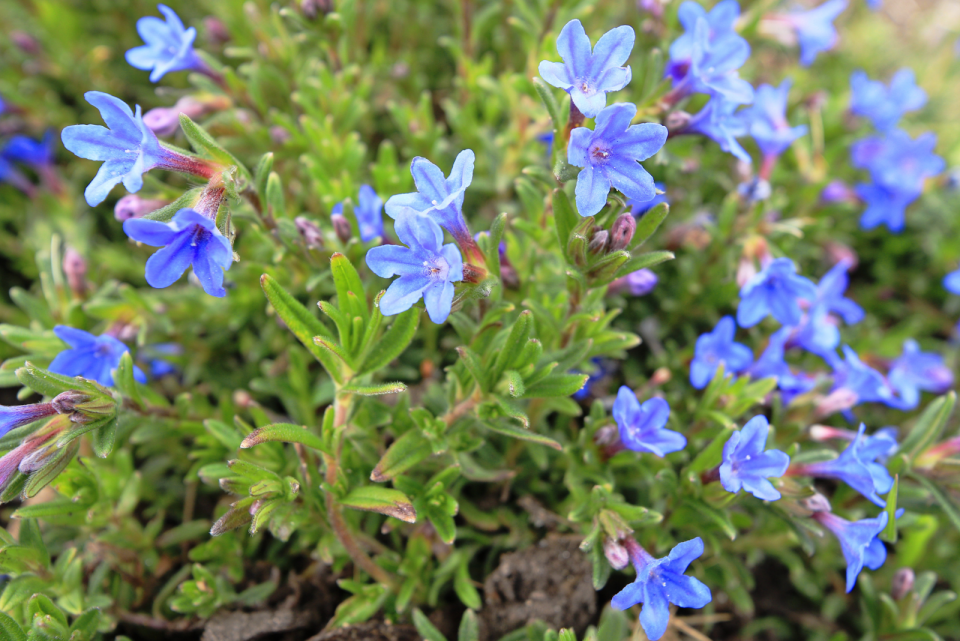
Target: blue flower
(717, 121)
(817, 333)
(641, 282)
(426, 267)
(20, 415)
(609, 155)
(660, 582)
(951, 282)
(866, 383)
(775, 290)
(746, 465)
(169, 46)
(642, 426)
(587, 389)
(772, 364)
(713, 67)
(189, 239)
(858, 541)
(815, 30)
(830, 292)
(547, 140)
(437, 197)
(586, 76)
(857, 467)
(766, 120)
(153, 356)
(37, 153)
(720, 21)
(93, 357)
(715, 348)
(638, 208)
(128, 147)
(885, 105)
(915, 371)
(874, 4)
(884, 206)
(368, 212)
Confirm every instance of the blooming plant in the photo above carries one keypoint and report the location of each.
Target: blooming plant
(509, 320)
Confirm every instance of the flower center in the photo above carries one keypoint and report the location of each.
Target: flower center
(436, 269)
(600, 153)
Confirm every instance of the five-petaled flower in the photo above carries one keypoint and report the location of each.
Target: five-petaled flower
(830, 293)
(439, 198)
(718, 122)
(858, 541)
(883, 105)
(857, 467)
(190, 238)
(774, 290)
(713, 68)
(715, 348)
(867, 384)
(642, 426)
(586, 76)
(128, 148)
(915, 371)
(368, 213)
(720, 20)
(427, 268)
(168, 46)
(610, 155)
(746, 465)
(814, 29)
(661, 582)
(766, 120)
(89, 356)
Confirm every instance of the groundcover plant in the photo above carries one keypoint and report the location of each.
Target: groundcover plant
(534, 320)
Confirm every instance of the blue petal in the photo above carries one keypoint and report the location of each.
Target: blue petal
(419, 233)
(612, 50)
(591, 192)
(392, 260)
(166, 266)
(686, 591)
(115, 113)
(752, 309)
(149, 232)
(761, 488)
(403, 293)
(701, 373)
(556, 74)
(574, 47)
(613, 121)
(578, 149)
(642, 141)
(73, 337)
(630, 178)
(94, 142)
(437, 299)
(655, 614)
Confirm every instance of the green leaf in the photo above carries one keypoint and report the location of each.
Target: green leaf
(712, 455)
(941, 497)
(10, 630)
(425, 628)
(304, 325)
(347, 280)
(204, 144)
(642, 261)
(393, 343)
(276, 203)
(49, 384)
(333, 348)
(929, 426)
(124, 381)
(463, 586)
(557, 385)
(284, 433)
(262, 172)
(516, 341)
(550, 102)
(513, 431)
(378, 389)
(104, 437)
(186, 201)
(473, 364)
(404, 453)
(512, 383)
(603, 271)
(383, 500)
(84, 627)
(648, 224)
(493, 247)
(889, 533)
(564, 217)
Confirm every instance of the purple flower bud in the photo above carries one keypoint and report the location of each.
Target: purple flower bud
(20, 415)
(216, 32)
(25, 42)
(312, 8)
(75, 269)
(641, 282)
(341, 226)
(622, 232)
(837, 191)
(164, 121)
(133, 206)
(901, 583)
(616, 554)
(310, 232)
(598, 244)
(816, 503)
(279, 135)
(653, 7)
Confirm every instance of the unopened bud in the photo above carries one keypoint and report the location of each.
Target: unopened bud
(660, 376)
(616, 554)
(837, 401)
(901, 583)
(598, 243)
(341, 226)
(816, 503)
(25, 42)
(242, 399)
(279, 135)
(133, 206)
(838, 192)
(164, 121)
(66, 402)
(75, 269)
(309, 231)
(313, 8)
(216, 31)
(677, 121)
(622, 232)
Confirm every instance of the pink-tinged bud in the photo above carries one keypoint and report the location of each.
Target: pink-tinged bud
(313, 8)
(660, 376)
(653, 7)
(816, 503)
(133, 206)
(822, 433)
(838, 252)
(309, 231)
(66, 402)
(616, 554)
(622, 231)
(902, 583)
(607, 435)
(19, 415)
(163, 121)
(677, 121)
(837, 401)
(75, 269)
(25, 42)
(10, 462)
(216, 32)
(746, 270)
(242, 399)
(279, 135)
(838, 192)
(598, 244)
(341, 226)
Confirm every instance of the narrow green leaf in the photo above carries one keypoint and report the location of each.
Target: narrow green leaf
(10, 630)
(334, 348)
(946, 503)
(642, 261)
(512, 383)
(513, 431)
(383, 500)
(49, 384)
(712, 455)
(463, 586)
(516, 340)
(550, 102)
(124, 381)
(205, 145)
(889, 533)
(648, 224)
(425, 628)
(346, 279)
(302, 323)
(929, 426)
(393, 343)
(564, 217)
(104, 437)
(557, 385)
(276, 203)
(472, 362)
(262, 172)
(407, 451)
(284, 433)
(378, 389)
